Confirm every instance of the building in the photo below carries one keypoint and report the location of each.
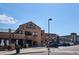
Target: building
(51, 38)
(73, 37)
(26, 34)
(31, 35)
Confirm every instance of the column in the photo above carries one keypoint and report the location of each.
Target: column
(2, 42)
(5, 43)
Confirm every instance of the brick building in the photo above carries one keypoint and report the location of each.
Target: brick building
(52, 38)
(33, 33)
(28, 33)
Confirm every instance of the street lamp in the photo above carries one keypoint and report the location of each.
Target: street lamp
(48, 34)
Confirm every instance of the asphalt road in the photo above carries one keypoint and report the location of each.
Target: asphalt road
(70, 50)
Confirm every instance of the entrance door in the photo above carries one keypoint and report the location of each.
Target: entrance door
(35, 43)
(29, 42)
(20, 42)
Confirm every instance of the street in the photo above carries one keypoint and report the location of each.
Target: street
(69, 50)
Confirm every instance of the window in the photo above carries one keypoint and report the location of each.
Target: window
(30, 25)
(34, 33)
(28, 33)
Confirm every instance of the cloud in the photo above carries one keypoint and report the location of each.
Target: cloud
(7, 19)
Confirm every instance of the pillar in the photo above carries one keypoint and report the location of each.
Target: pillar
(2, 42)
(5, 43)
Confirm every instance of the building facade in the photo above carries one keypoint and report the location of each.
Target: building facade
(26, 34)
(31, 35)
(73, 37)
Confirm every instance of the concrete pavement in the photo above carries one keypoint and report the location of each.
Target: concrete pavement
(70, 50)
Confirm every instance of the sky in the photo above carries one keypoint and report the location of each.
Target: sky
(65, 17)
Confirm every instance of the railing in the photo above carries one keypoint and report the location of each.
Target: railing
(30, 37)
(6, 30)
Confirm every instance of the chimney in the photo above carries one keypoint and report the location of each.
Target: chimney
(9, 30)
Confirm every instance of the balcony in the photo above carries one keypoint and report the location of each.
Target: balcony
(18, 36)
(30, 37)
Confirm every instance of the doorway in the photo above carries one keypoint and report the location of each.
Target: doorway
(29, 42)
(35, 44)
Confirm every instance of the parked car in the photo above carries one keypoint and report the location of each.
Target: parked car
(71, 44)
(67, 44)
(55, 45)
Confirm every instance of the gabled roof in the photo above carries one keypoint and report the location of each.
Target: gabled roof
(30, 22)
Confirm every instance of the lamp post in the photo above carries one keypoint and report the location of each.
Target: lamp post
(48, 34)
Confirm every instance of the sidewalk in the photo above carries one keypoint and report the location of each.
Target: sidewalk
(25, 51)
(69, 50)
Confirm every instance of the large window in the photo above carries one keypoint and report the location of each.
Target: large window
(28, 33)
(34, 34)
